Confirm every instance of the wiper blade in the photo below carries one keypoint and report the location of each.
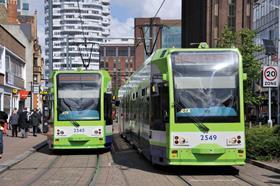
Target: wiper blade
(75, 123)
(196, 121)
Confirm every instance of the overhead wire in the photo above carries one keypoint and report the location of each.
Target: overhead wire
(152, 20)
(85, 39)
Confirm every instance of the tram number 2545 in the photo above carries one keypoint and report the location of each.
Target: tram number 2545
(206, 137)
(79, 130)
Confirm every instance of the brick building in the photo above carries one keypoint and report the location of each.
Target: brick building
(168, 37)
(208, 23)
(117, 56)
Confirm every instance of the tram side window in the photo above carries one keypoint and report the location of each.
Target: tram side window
(108, 109)
(159, 102)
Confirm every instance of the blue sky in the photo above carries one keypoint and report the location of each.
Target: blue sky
(123, 13)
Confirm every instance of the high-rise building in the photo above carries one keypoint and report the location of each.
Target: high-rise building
(81, 24)
(208, 24)
(22, 5)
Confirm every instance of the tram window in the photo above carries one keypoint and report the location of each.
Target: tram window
(143, 92)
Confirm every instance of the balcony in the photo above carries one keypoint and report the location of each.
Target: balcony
(106, 33)
(105, 2)
(37, 69)
(105, 22)
(105, 11)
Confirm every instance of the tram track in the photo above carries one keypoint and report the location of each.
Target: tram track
(93, 179)
(41, 173)
(240, 180)
(185, 181)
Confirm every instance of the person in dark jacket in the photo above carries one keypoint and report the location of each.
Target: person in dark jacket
(3, 120)
(35, 119)
(14, 122)
(23, 123)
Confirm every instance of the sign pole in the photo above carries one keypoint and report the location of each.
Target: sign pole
(269, 99)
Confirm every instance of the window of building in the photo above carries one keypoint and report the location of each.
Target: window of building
(132, 51)
(232, 14)
(25, 6)
(123, 51)
(111, 51)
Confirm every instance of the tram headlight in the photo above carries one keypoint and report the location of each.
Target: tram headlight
(97, 132)
(234, 141)
(179, 140)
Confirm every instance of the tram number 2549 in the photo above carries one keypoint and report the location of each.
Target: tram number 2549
(206, 137)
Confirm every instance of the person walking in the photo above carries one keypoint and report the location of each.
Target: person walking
(3, 120)
(35, 120)
(14, 122)
(23, 123)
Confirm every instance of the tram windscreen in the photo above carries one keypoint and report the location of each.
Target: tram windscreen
(206, 86)
(78, 97)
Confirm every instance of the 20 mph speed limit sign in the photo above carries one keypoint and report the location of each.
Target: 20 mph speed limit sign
(270, 76)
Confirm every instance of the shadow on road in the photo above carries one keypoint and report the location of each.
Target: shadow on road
(128, 158)
(46, 150)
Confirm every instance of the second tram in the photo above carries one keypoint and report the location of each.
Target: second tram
(185, 107)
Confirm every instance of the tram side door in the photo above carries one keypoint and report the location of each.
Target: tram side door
(159, 106)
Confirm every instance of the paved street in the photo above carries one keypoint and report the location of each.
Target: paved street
(15, 146)
(122, 166)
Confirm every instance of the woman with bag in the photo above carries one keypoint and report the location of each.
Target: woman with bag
(14, 122)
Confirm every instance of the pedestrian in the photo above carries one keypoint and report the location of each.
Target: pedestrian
(3, 120)
(35, 120)
(23, 123)
(14, 122)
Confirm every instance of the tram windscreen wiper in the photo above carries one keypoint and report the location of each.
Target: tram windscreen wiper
(75, 123)
(195, 120)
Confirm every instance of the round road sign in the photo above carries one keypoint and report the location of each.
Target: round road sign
(270, 73)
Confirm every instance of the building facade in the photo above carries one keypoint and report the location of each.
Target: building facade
(82, 24)
(208, 24)
(12, 71)
(22, 5)
(24, 29)
(117, 56)
(169, 36)
(266, 26)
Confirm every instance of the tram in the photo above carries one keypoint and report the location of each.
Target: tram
(81, 106)
(185, 107)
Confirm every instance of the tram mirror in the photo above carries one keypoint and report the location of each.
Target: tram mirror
(164, 77)
(244, 76)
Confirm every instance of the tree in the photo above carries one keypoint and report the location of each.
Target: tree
(244, 41)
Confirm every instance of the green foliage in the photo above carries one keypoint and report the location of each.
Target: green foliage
(263, 143)
(244, 41)
(228, 39)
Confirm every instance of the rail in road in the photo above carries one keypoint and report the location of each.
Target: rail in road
(123, 166)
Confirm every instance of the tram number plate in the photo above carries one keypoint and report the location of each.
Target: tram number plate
(79, 130)
(207, 137)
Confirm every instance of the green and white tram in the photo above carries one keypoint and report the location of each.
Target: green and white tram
(185, 107)
(81, 110)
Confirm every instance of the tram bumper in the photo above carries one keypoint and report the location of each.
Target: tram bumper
(207, 157)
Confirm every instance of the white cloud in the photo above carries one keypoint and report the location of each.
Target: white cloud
(143, 8)
(122, 29)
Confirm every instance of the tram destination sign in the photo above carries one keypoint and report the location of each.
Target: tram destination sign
(270, 76)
